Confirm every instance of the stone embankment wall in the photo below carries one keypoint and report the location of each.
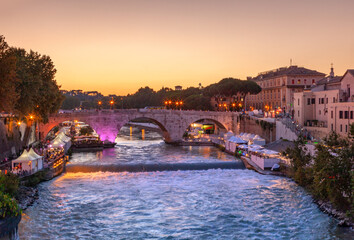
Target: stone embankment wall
(9, 227)
(256, 126)
(282, 132)
(10, 138)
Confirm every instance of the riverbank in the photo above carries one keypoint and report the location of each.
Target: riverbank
(326, 207)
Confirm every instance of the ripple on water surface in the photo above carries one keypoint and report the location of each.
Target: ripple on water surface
(213, 204)
(153, 151)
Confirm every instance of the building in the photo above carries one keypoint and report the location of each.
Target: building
(227, 103)
(278, 88)
(328, 106)
(178, 88)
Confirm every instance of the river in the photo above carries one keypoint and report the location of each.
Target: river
(202, 204)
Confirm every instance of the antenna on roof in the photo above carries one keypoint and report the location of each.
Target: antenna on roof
(291, 62)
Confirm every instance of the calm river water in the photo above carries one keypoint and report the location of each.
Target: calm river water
(209, 204)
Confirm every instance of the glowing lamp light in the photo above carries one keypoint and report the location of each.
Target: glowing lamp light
(224, 105)
(99, 102)
(166, 103)
(111, 102)
(181, 102)
(233, 104)
(176, 103)
(240, 105)
(219, 105)
(18, 123)
(169, 102)
(31, 117)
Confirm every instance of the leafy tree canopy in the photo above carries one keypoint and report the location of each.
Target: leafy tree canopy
(28, 84)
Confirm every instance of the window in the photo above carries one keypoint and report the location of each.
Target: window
(322, 100)
(309, 101)
(346, 128)
(298, 81)
(331, 114)
(305, 81)
(340, 114)
(313, 101)
(334, 99)
(319, 112)
(341, 128)
(351, 114)
(346, 114)
(313, 81)
(293, 81)
(298, 101)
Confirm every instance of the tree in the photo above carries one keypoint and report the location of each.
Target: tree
(300, 169)
(38, 91)
(231, 86)
(198, 102)
(70, 102)
(333, 166)
(8, 80)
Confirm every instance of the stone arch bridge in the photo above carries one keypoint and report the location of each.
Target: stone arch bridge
(173, 123)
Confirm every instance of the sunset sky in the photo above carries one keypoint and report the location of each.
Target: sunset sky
(115, 46)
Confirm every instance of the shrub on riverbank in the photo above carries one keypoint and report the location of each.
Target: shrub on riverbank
(9, 184)
(8, 206)
(329, 174)
(36, 178)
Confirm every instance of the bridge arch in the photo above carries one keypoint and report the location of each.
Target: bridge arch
(217, 122)
(165, 133)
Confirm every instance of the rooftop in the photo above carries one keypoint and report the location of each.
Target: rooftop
(287, 71)
(329, 80)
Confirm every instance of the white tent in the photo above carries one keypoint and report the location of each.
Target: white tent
(228, 135)
(255, 148)
(270, 152)
(29, 161)
(61, 140)
(237, 140)
(258, 140)
(243, 146)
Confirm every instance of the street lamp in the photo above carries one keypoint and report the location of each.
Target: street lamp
(111, 103)
(99, 104)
